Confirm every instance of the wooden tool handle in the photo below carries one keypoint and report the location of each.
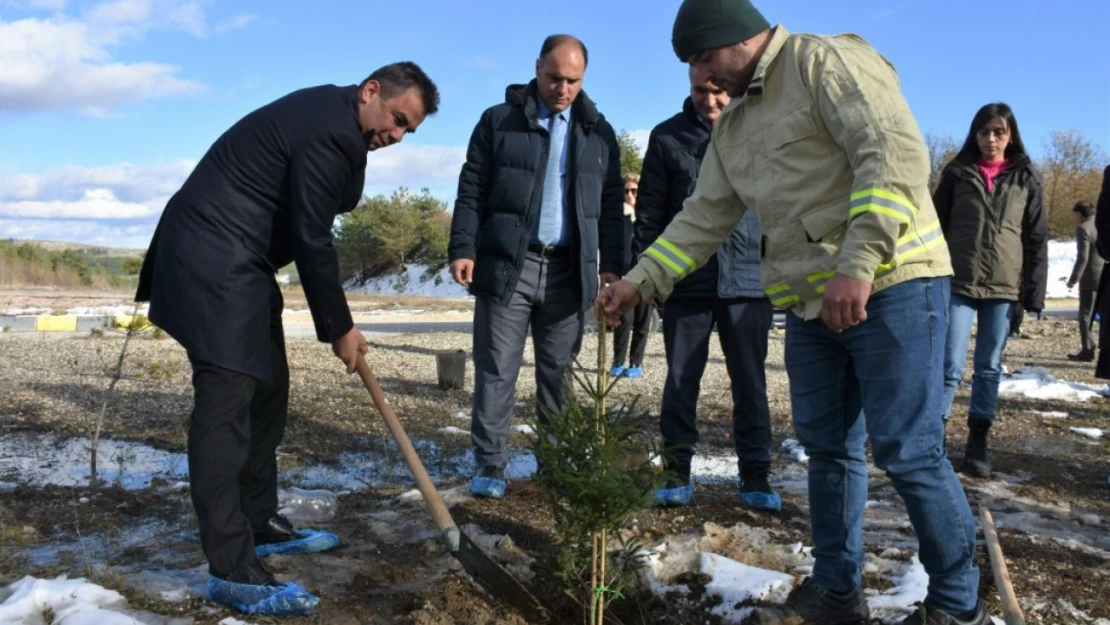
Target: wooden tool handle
(431, 496)
(1011, 611)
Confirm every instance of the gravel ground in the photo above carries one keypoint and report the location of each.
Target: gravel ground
(56, 385)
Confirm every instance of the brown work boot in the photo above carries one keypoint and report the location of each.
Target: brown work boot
(810, 604)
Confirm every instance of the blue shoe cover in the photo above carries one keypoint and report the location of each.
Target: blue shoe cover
(487, 487)
(310, 541)
(677, 496)
(634, 372)
(616, 371)
(762, 501)
(287, 600)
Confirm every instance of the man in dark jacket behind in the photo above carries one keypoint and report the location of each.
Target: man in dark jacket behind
(264, 195)
(539, 196)
(1086, 274)
(726, 292)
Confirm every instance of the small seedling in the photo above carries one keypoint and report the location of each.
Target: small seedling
(594, 473)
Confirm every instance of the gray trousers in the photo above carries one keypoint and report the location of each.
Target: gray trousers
(547, 298)
(1086, 312)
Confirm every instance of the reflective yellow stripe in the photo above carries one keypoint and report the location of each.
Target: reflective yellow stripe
(677, 253)
(915, 244)
(818, 280)
(663, 258)
(883, 203)
(785, 296)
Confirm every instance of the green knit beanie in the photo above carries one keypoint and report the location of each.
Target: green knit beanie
(707, 24)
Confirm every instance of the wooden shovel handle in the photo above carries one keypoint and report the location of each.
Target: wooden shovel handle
(1011, 611)
(423, 482)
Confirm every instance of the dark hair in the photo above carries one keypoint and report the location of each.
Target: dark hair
(397, 78)
(970, 151)
(553, 41)
(1085, 208)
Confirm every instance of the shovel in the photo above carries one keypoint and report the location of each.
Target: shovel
(485, 571)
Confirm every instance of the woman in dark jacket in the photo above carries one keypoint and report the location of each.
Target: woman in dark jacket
(989, 202)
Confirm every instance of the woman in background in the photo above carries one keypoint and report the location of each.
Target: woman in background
(636, 323)
(989, 203)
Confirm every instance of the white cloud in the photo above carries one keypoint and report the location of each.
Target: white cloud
(119, 205)
(415, 166)
(641, 138)
(67, 62)
(123, 192)
(235, 23)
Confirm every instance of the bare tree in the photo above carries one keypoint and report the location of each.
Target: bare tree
(942, 149)
(1072, 168)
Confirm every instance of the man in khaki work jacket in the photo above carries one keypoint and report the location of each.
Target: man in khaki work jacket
(819, 141)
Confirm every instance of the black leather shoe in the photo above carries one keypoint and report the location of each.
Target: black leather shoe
(276, 529)
(254, 573)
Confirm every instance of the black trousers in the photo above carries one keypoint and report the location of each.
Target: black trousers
(634, 329)
(742, 325)
(234, 431)
(1017, 316)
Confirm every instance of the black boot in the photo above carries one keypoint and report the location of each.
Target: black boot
(976, 461)
(810, 604)
(755, 490)
(254, 573)
(1084, 355)
(926, 616)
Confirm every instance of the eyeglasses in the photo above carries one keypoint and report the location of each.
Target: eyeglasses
(632, 190)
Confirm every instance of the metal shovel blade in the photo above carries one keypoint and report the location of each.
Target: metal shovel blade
(497, 581)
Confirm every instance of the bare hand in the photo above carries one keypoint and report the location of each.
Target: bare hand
(617, 298)
(844, 304)
(349, 347)
(1071, 285)
(609, 278)
(462, 270)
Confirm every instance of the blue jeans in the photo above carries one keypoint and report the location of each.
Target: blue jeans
(888, 367)
(990, 341)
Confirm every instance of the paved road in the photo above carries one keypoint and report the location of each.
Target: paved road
(374, 328)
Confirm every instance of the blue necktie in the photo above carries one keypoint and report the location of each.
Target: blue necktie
(551, 209)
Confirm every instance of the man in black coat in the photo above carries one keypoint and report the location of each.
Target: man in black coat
(725, 294)
(264, 195)
(539, 197)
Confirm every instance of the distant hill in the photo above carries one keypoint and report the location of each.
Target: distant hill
(82, 248)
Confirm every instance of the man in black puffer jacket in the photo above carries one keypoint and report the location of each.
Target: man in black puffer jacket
(726, 292)
(525, 239)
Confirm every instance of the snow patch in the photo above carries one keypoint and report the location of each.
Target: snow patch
(413, 280)
(911, 584)
(453, 430)
(794, 450)
(1094, 433)
(739, 585)
(72, 602)
(1037, 383)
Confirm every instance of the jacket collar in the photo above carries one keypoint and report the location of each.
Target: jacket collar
(584, 111)
(692, 114)
(350, 98)
(778, 40)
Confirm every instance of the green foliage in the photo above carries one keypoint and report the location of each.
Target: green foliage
(384, 234)
(631, 162)
(29, 263)
(133, 265)
(595, 473)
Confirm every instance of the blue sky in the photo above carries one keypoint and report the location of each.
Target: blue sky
(106, 106)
